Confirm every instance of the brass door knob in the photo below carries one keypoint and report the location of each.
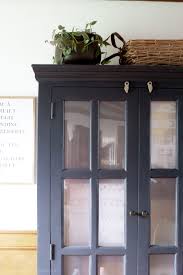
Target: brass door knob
(144, 214)
(133, 213)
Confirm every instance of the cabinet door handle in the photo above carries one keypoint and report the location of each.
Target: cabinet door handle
(133, 213)
(144, 214)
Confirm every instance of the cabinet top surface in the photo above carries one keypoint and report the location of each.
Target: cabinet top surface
(57, 73)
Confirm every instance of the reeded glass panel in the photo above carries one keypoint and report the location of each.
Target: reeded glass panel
(77, 134)
(110, 265)
(76, 265)
(112, 209)
(163, 211)
(76, 212)
(112, 135)
(162, 265)
(163, 134)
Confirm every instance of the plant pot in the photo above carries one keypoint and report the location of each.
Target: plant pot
(91, 55)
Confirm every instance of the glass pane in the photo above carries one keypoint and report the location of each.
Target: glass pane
(112, 135)
(76, 265)
(163, 134)
(77, 134)
(163, 211)
(112, 209)
(76, 212)
(162, 265)
(110, 265)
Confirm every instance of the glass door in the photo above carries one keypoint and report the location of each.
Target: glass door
(160, 183)
(94, 181)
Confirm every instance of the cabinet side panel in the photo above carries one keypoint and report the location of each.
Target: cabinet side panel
(44, 180)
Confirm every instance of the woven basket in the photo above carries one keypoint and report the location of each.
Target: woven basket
(154, 52)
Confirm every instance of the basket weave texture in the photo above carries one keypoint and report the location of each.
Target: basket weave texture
(154, 52)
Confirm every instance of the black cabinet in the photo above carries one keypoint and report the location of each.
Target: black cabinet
(110, 169)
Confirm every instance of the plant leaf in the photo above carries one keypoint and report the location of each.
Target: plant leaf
(60, 27)
(87, 30)
(105, 43)
(85, 37)
(53, 33)
(67, 51)
(58, 55)
(77, 34)
(52, 43)
(105, 62)
(84, 49)
(107, 38)
(93, 23)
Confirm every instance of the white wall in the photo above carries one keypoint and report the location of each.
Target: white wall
(25, 25)
(18, 207)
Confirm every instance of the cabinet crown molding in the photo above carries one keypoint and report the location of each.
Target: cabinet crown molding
(99, 73)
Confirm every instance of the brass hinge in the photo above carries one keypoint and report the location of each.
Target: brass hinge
(52, 110)
(52, 252)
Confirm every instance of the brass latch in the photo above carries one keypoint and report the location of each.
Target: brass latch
(126, 87)
(150, 86)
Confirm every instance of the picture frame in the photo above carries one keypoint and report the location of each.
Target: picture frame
(17, 140)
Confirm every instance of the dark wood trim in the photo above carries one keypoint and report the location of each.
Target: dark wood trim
(44, 180)
(132, 139)
(112, 174)
(156, 250)
(94, 179)
(180, 187)
(110, 251)
(76, 174)
(85, 73)
(87, 251)
(56, 187)
(143, 183)
(164, 173)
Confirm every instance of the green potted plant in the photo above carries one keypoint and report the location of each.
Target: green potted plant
(77, 46)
